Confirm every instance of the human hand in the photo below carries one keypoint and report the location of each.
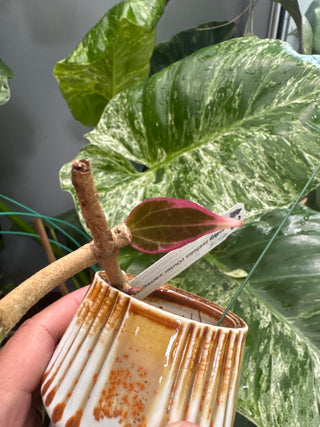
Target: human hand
(24, 358)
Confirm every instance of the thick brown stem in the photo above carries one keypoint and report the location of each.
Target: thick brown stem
(105, 242)
(103, 249)
(48, 249)
(16, 304)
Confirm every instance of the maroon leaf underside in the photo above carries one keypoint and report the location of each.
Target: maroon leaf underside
(164, 224)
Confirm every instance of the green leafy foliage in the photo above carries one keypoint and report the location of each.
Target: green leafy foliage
(189, 41)
(5, 74)
(164, 224)
(303, 25)
(113, 55)
(313, 16)
(238, 121)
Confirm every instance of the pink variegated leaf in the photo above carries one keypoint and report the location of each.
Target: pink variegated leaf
(163, 224)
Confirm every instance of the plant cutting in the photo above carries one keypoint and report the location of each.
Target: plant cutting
(157, 225)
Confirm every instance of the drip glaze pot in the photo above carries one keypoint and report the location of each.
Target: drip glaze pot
(130, 363)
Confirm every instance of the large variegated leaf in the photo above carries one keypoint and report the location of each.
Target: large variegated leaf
(280, 383)
(5, 74)
(288, 277)
(113, 55)
(234, 122)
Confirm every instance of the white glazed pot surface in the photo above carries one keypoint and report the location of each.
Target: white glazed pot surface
(130, 363)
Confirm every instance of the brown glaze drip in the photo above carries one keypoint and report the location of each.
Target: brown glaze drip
(155, 316)
(119, 305)
(90, 309)
(75, 420)
(46, 386)
(94, 378)
(44, 377)
(50, 396)
(57, 412)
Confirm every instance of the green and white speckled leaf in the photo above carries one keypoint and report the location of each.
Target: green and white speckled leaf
(5, 74)
(280, 383)
(288, 278)
(113, 55)
(281, 379)
(234, 122)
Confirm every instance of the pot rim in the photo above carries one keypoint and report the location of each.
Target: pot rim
(178, 296)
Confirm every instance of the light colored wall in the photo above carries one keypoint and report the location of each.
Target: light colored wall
(38, 134)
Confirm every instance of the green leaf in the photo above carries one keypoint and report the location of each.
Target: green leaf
(163, 224)
(134, 262)
(188, 41)
(234, 122)
(113, 55)
(313, 16)
(5, 74)
(302, 23)
(281, 378)
(297, 247)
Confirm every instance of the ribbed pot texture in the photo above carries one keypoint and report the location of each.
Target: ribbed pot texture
(130, 363)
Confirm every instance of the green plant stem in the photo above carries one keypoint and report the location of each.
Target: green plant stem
(303, 192)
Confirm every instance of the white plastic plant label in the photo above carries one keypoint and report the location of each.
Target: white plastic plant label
(173, 263)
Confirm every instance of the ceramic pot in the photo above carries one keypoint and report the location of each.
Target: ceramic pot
(130, 363)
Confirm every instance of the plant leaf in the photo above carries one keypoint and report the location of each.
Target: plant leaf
(313, 16)
(187, 42)
(302, 23)
(113, 55)
(282, 363)
(163, 224)
(234, 122)
(297, 246)
(5, 74)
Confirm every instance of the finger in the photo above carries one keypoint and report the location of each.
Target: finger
(25, 356)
